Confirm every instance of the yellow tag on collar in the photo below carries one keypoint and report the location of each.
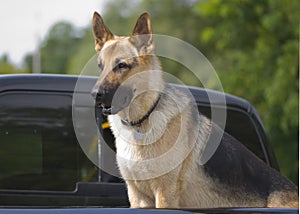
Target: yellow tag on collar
(105, 125)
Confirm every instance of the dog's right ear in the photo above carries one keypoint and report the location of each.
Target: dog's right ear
(100, 31)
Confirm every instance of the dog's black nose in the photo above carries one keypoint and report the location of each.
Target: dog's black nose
(99, 96)
(98, 93)
(103, 96)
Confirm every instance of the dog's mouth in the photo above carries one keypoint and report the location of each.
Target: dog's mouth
(107, 111)
(120, 100)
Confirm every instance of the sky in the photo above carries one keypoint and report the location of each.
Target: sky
(24, 22)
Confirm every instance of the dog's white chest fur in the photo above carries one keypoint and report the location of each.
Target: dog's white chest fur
(146, 155)
(148, 161)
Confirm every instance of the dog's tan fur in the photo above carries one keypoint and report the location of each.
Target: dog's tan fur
(153, 178)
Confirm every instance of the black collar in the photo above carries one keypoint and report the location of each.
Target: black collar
(140, 121)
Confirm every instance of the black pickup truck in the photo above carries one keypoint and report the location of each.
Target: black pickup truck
(43, 165)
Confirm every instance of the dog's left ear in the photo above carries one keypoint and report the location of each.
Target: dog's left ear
(141, 36)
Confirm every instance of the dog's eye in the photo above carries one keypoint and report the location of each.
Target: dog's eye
(100, 66)
(121, 66)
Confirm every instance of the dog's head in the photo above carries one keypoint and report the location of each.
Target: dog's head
(119, 59)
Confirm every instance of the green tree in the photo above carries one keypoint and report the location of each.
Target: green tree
(57, 48)
(254, 46)
(60, 44)
(6, 67)
(85, 51)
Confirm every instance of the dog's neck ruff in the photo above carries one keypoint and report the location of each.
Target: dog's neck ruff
(145, 117)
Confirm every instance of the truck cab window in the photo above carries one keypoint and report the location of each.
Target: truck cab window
(38, 146)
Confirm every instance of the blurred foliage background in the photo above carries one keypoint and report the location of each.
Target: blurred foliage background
(253, 46)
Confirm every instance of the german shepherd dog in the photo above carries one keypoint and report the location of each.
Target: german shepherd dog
(159, 140)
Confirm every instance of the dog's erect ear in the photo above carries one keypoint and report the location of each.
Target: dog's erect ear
(141, 35)
(100, 31)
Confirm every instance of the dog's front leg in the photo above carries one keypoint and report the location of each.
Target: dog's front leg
(166, 198)
(138, 199)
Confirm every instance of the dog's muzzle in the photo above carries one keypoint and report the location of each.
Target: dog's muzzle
(102, 100)
(113, 100)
